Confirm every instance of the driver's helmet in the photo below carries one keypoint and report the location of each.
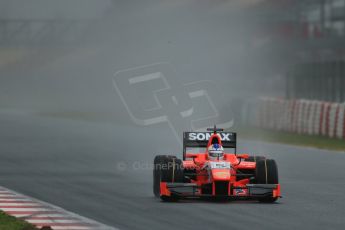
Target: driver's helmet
(215, 151)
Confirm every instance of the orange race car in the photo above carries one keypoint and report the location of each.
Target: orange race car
(214, 172)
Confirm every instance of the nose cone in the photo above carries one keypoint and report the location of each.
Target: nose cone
(220, 174)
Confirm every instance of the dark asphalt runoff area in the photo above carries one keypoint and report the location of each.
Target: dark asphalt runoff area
(102, 171)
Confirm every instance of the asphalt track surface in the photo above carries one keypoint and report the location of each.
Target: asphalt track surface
(99, 170)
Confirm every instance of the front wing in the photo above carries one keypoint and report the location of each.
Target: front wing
(191, 190)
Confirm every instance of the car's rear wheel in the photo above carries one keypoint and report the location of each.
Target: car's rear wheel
(266, 173)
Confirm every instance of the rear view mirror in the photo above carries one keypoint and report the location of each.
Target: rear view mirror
(243, 156)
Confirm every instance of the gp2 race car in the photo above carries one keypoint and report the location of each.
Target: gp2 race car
(226, 175)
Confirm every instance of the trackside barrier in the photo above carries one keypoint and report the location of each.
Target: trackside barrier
(300, 116)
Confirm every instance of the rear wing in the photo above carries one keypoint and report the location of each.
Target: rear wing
(200, 140)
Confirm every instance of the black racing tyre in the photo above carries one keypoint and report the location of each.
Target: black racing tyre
(266, 173)
(169, 198)
(172, 170)
(158, 158)
(166, 169)
(268, 199)
(255, 158)
(156, 174)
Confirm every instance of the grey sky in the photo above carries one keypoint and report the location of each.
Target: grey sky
(53, 8)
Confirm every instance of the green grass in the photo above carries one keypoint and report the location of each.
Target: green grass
(11, 223)
(291, 138)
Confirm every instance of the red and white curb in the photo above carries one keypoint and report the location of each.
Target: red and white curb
(41, 214)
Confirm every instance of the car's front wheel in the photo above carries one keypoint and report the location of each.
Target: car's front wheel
(166, 169)
(266, 173)
(255, 158)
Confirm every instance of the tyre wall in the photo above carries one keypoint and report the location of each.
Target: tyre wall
(300, 116)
